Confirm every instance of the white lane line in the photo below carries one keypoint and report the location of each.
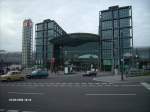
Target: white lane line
(104, 83)
(28, 111)
(116, 85)
(146, 85)
(130, 94)
(99, 85)
(12, 111)
(83, 83)
(25, 93)
(107, 85)
(130, 85)
(2, 110)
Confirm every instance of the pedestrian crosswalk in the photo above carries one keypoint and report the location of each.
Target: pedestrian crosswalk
(65, 84)
(14, 110)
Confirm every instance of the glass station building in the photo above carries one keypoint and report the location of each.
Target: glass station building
(45, 31)
(104, 50)
(77, 49)
(116, 36)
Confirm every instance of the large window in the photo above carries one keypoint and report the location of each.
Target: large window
(106, 15)
(116, 43)
(125, 43)
(127, 32)
(107, 62)
(125, 22)
(39, 27)
(45, 26)
(50, 32)
(107, 25)
(116, 33)
(115, 14)
(39, 49)
(116, 25)
(106, 54)
(107, 34)
(50, 25)
(124, 12)
(39, 41)
(39, 34)
(106, 45)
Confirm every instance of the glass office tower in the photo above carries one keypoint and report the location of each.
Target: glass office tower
(116, 36)
(45, 31)
(27, 40)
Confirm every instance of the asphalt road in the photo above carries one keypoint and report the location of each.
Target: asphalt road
(73, 93)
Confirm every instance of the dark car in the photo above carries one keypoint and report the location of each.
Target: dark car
(90, 73)
(39, 73)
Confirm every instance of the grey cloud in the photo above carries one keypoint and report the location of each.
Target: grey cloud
(71, 15)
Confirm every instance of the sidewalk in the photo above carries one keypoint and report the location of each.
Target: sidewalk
(62, 74)
(117, 79)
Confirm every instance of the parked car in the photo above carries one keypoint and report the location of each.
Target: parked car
(39, 73)
(12, 76)
(90, 73)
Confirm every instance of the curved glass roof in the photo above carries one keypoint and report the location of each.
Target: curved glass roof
(75, 39)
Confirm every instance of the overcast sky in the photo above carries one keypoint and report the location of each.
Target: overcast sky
(71, 15)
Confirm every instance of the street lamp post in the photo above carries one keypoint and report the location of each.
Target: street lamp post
(122, 68)
(121, 55)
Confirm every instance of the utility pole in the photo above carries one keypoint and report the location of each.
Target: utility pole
(121, 52)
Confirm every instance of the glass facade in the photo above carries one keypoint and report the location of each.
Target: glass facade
(27, 40)
(115, 30)
(46, 31)
(77, 49)
(83, 49)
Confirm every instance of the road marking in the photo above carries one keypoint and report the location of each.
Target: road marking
(104, 83)
(2, 110)
(146, 85)
(12, 111)
(116, 85)
(28, 111)
(25, 93)
(130, 85)
(107, 85)
(70, 84)
(131, 94)
(83, 83)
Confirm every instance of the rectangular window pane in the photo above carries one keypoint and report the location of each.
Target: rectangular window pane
(116, 24)
(125, 32)
(106, 15)
(106, 45)
(107, 34)
(124, 12)
(107, 25)
(116, 33)
(39, 27)
(50, 25)
(39, 41)
(50, 32)
(39, 34)
(125, 22)
(115, 14)
(106, 54)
